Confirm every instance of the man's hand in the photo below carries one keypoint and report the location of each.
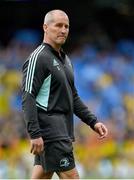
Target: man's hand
(37, 145)
(101, 129)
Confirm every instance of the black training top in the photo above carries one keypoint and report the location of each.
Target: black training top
(50, 97)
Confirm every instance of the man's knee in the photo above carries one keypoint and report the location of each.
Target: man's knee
(39, 173)
(71, 174)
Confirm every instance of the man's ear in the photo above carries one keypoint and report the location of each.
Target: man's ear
(45, 27)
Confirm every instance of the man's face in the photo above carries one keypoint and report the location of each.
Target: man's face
(57, 30)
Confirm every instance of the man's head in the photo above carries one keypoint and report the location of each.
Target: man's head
(56, 27)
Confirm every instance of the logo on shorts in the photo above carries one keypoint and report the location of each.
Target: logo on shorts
(64, 162)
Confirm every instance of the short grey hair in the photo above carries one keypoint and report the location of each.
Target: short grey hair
(50, 15)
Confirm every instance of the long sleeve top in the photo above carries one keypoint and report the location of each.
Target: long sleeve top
(49, 96)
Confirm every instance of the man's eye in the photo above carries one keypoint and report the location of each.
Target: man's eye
(59, 25)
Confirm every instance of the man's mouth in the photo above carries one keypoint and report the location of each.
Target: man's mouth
(61, 37)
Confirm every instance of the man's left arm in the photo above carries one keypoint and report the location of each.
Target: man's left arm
(82, 111)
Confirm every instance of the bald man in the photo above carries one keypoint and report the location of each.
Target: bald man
(49, 101)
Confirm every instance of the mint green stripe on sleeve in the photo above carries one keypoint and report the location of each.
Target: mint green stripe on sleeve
(33, 70)
(30, 67)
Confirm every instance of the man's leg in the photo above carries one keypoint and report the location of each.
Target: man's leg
(71, 174)
(38, 173)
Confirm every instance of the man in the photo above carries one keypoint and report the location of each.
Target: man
(49, 101)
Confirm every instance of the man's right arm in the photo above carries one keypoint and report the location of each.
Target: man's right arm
(33, 77)
(30, 115)
(34, 72)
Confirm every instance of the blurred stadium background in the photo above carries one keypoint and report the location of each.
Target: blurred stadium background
(101, 46)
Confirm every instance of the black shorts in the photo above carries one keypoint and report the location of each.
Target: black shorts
(56, 157)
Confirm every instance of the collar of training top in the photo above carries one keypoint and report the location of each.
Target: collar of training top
(62, 57)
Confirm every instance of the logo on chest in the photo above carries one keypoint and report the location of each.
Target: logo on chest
(56, 64)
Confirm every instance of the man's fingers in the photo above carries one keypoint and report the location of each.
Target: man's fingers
(39, 148)
(42, 147)
(37, 145)
(105, 130)
(32, 148)
(102, 131)
(36, 149)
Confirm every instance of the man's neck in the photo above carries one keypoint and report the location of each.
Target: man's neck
(56, 47)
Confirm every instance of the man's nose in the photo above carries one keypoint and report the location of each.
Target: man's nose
(64, 29)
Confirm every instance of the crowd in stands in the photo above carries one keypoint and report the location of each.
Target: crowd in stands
(104, 77)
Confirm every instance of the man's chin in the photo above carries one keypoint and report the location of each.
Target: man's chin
(61, 42)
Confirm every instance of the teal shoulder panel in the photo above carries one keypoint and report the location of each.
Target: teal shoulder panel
(43, 95)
